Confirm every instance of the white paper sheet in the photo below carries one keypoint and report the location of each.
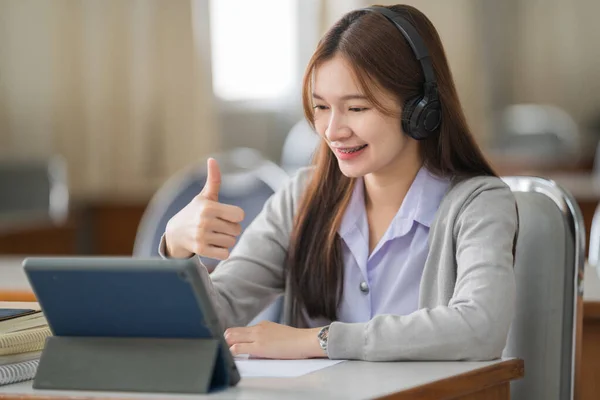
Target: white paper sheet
(255, 368)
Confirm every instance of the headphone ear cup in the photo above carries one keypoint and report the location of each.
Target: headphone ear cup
(407, 118)
(420, 118)
(431, 117)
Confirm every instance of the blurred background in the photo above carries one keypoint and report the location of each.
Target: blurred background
(103, 102)
(109, 109)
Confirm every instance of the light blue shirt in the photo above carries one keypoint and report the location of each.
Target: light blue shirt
(387, 281)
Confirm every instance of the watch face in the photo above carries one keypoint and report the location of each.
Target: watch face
(324, 333)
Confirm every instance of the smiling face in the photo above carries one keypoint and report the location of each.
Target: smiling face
(364, 139)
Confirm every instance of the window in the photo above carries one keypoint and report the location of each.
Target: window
(254, 48)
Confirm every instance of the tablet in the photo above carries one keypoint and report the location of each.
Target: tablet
(126, 297)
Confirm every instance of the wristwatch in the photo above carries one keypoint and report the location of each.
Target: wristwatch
(323, 338)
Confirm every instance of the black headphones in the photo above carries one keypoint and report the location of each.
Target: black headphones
(421, 115)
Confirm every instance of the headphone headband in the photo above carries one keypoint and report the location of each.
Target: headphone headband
(412, 37)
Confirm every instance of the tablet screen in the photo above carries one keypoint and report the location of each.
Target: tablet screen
(118, 302)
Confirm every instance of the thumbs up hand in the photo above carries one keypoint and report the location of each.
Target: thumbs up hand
(213, 181)
(205, 226)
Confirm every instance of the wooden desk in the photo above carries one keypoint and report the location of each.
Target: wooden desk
(348, 380)
(590, 351)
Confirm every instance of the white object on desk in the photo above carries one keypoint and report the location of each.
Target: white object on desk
(261, 368)
(18, 371)
(12, 274)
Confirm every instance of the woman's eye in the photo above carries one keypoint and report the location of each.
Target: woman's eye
(358, 109)
(319, 107)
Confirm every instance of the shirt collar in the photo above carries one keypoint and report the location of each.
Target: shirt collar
(355, 208)
(423, 198)
(420, 204)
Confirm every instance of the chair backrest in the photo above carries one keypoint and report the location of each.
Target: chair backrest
(247, 181)
(33, 190)
(538, 130)
(549, 264)
(299, 147)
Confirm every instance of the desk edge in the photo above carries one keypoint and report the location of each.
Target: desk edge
(465, 383)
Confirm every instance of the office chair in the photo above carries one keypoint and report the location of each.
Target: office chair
(247, 181)
(299, 147)
(549, 264)
(33, 191)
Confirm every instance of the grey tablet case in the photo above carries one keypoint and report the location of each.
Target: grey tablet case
(124, 324)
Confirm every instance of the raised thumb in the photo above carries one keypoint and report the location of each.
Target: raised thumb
(213, 181)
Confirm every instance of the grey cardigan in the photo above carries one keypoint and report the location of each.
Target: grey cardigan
(467, 291)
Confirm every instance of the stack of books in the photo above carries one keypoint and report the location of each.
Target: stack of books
(23, 333)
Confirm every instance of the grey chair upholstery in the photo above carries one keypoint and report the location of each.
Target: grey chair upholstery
(549, 263)
(299, 147)
(32, 191)
(247, 181)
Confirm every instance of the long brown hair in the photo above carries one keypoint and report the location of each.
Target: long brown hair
(381, 58)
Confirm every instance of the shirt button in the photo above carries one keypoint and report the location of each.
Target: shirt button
(364, 287)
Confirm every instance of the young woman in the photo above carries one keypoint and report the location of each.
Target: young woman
(397, 244)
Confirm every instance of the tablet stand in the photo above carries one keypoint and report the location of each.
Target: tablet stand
(131, 364)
